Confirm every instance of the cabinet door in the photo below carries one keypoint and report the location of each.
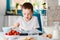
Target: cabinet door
(5, 21)
(12, 20)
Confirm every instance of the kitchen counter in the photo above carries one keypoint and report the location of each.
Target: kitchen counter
(36, 37)
(49, 29)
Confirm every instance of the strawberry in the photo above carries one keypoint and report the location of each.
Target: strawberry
(6, 33)
(12, 32)
(15, 33)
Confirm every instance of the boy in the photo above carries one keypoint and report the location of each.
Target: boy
(27, 22)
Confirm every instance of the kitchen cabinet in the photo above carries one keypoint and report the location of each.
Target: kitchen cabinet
(10, 20)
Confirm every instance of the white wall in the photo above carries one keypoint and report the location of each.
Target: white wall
(53, 12)
(2, 11)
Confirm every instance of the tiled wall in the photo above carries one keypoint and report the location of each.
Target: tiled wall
(53, 12)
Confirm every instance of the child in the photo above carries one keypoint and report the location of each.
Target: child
(27, 22)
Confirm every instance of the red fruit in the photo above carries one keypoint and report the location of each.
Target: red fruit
(15, 33)
(12, 31)
(18, 33)
(6, 34)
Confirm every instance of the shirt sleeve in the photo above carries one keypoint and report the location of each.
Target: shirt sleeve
(36, 23)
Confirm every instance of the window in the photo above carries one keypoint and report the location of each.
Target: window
(58, 2)
(36, 3)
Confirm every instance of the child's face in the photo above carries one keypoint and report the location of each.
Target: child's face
(27, 13)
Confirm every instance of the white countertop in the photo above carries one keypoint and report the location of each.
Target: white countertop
(37, 37)
(49, 29)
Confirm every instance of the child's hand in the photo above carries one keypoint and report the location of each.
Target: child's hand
(16, 25)
(13, 27)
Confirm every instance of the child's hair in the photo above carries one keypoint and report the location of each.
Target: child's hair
(27, 5)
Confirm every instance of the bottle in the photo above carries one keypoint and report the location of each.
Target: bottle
(16, 11)
(17, 4)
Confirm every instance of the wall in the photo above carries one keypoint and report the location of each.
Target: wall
(53, 12)
(2, 11)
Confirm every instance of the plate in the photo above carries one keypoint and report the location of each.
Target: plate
(11, 36)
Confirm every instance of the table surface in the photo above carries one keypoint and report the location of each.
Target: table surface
(37, 37)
